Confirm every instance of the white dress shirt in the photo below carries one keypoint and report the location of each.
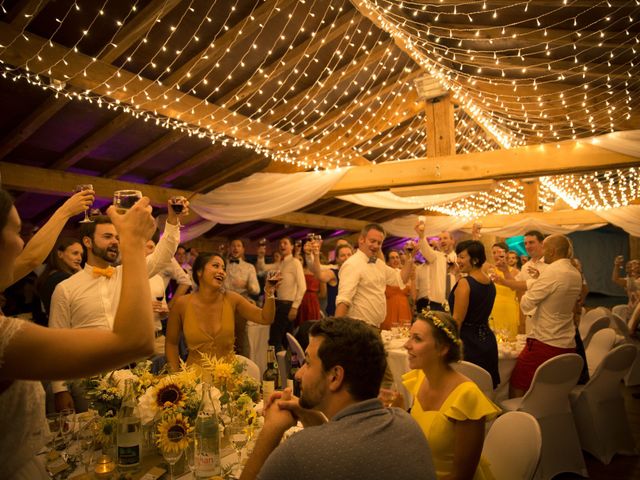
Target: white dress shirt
(362, 286)
(159, 282)
(524, 276)
(244, 272)
(88, 301)
(293, 283)
(431, 278)
(550, 301)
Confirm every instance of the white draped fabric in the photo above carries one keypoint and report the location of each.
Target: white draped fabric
(393, 201)
(626, 143)
(264, 195)
(627, 218)
(195, 230)
(526, 224)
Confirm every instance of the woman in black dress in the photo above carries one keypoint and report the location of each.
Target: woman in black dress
(471, 302)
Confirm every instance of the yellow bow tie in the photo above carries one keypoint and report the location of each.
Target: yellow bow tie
(106, 272)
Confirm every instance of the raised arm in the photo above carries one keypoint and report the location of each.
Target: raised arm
(615, 274)
(39, 353)
(249, 311)
(168, 244)
(35, 252)
(325, 275)
(427, 252)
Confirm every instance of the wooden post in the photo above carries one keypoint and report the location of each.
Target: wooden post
(530, 190)
(441, 132)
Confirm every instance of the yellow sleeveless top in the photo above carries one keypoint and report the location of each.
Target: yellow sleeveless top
(465, 402)
(200, 342)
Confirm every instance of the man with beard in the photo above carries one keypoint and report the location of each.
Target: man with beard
(361, 439)
(89, 299)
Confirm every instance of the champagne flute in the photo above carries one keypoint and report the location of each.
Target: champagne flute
(123, 200)
(81, 188)
(177, 205)
(237, 433)
(171, 451)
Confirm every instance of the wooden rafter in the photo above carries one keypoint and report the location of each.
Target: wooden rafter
(219, 179)
(292, 57)
(21, 15)
(207, 155)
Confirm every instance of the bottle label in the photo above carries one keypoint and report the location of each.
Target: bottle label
(129, 456)
(207, 465)
(268, 387)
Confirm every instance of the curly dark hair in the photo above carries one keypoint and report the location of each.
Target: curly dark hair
(357, 348)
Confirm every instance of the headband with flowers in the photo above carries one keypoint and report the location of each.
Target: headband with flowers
(428, 314)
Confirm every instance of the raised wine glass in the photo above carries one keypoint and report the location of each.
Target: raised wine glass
(81, 188)
(123, 200)
(273, 277)
(177, 205)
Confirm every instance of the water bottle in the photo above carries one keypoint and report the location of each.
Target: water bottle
(207, 446)
(129, 429)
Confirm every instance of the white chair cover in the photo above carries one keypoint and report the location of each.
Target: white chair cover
(620, 326)
(258, 336)
(521, 433)
(601, 344)
(251, 369)
(476, 374)
(622, 311)
(548, 400)
(295, 346)
(599, 409)
(589, 317)
(597, 325)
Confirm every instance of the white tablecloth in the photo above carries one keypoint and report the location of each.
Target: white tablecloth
(258, 336)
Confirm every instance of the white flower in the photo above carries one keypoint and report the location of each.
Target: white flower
(119, 377)
(215, 396)
(147, 405)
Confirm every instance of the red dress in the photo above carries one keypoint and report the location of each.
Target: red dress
(398, 310)
(309, 308)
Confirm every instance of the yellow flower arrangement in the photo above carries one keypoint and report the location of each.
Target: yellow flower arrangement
(172, 424)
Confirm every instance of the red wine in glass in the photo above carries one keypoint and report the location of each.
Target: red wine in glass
(177, 207)
(273, 277)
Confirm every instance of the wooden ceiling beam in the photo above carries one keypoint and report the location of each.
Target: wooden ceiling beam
(221, 178)
(309, 47)
(378, 93)
(322, 87)
(82, 148)
(250, 25)
(521, 162)
(208, 154)
(58, 182)
(144, 154)
(23, 14)
(99, 74)
(33, 122)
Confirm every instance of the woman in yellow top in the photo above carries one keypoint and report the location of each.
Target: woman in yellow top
(450, 408)
(207, 316)
(506, 309)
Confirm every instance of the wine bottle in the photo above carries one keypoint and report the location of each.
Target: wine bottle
(207, 438)
(270, 377)
(292, 381)
(129, 429)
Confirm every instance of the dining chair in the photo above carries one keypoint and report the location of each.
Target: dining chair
(590, 324)
(601, 344)
(622, 311)
(587, 318)
(251, 368)
(283, 367)
(620, 326)
(548, 401)
(295, 346)
(476, 374)
(520, 433)
(599, 408)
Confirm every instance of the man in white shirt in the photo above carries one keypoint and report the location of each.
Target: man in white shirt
(436, 277)
(241, 278)
(549, 301)
(290, 291)
(364, 278)
(89, 299)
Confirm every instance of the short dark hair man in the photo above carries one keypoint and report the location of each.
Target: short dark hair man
(344, 365)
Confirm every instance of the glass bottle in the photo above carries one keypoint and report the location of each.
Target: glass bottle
(207, 438)
(270, 376)
(129, 429)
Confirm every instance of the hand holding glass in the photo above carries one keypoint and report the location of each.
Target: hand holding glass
(82, 188)
(123, 200)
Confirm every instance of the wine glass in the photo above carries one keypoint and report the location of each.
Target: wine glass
(177, 205)
(238, 437)
(171, 450)
(67, 427)
(53, 422)
(86, 437)
(190, 454)
(388, 393)
(123, 200)
(81, 188)
(273, 277)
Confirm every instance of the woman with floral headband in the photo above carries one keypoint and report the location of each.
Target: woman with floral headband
(450, 408)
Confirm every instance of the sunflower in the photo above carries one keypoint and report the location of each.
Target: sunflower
(169, 393)
(173, 433)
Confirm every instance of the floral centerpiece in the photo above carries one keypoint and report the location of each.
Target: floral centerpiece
(169, 403)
